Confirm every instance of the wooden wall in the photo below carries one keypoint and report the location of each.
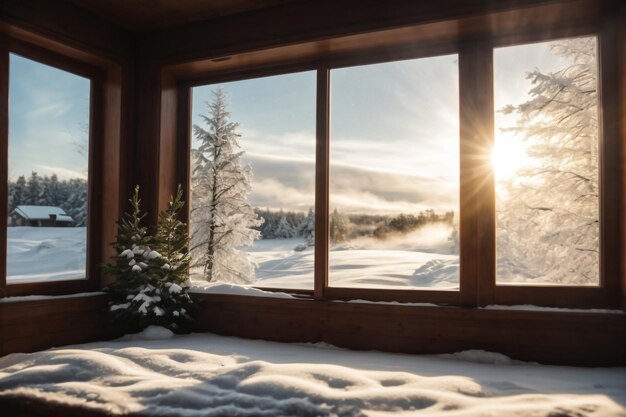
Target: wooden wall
(547, 337)
(66, 29)
(28, 326)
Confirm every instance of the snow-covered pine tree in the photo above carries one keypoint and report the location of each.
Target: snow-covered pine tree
(548, 224)
(33, 189)
(222, 220)
(17, 193)
(284, 230)
(150, 286)
(338, 227)
(307, 227)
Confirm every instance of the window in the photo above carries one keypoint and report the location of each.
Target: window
(547, 163)
(52, 156)
(252, 177)
(394, 175)
(443, 174)
(48, 173)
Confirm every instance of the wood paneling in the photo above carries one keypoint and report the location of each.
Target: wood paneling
(139, 16)
(324, 20)
(621, 56)
(28, 326)
(547, 337)
(63, 22)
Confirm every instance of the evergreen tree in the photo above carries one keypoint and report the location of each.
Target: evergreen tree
(222, 219)
(33, 190)
(75, 204)
(17, 193)
(283, 229)
(307, 227)
(338, 227)
(548, 222)
(151, 271)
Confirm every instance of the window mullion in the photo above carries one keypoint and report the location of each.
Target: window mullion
(4, 148)
(322, 164)
(477, 228)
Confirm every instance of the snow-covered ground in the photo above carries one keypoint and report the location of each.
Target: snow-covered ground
(45, 253)
(208, 375)
(418, 260)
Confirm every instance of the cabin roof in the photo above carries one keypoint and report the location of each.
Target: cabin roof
(42, 213)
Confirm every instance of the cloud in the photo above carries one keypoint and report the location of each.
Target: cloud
(62, 173)
(50, 110)
(280, 182)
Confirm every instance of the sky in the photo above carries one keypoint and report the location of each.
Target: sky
(48, 116)
(394, 131)
(394, 136)
(511, 64)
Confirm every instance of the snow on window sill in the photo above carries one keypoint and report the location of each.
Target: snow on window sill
(530, 307)
(48, 297)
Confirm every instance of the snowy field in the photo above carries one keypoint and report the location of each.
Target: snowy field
(209, 375)
(37, 254)
(418, 260)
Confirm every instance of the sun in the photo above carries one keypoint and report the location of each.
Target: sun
(508, 156)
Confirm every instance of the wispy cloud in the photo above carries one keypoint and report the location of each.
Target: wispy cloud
(62, 173)
(54, 109)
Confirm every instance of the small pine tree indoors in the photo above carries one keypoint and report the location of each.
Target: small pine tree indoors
(151, 271)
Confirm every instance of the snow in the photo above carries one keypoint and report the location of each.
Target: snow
(280, 265)
(22, 298)
(36, 254)
(155, 373)
(202, 287)
(530, 307)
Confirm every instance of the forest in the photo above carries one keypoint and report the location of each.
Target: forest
(68, 194)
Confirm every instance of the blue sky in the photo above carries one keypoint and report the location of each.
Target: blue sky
(394, 130)
(48, 115)
(394, 136)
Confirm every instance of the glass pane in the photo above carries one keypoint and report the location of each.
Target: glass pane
(253, 182)
(394, 185)
(546, 163)
(47, 169)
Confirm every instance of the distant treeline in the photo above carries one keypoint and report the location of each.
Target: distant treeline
(286, 224)
(70, 195)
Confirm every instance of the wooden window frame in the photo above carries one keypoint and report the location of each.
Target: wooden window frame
(607, 293)
(105, 119)
(477, 188)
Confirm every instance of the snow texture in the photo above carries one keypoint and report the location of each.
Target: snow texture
(48, 297)
(36, 254)
(209, 375)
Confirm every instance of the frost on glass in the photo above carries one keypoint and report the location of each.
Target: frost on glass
(253, 182)
(47, 170)
(394, 183)
(546, 163)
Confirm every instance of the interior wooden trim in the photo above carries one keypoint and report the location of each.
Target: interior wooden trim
(4, 152)
(331, 24)
(322, 182)
(391, 294)
(611, 215)
(477, 201)
(621, 117)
